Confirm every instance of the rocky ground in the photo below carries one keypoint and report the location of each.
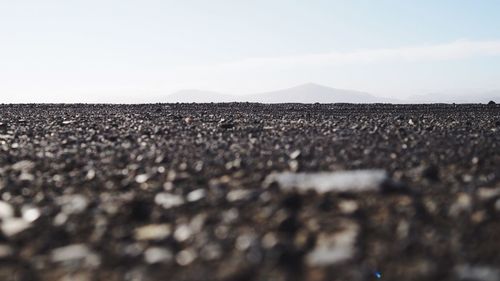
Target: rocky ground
(193, 192)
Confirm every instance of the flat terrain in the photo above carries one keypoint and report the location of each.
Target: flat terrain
(179, 192)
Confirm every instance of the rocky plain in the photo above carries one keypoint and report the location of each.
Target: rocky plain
(245, 191)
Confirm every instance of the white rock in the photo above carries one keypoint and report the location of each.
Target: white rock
(334, 248)
(341, 181)
(141, 178)
(152, 232)
(463, 204)
(23, 165)
(183, 233)
(185, 257)
(348, 206)
(237, 194)
(479, 273)
(195, 195)
(30, 214)
(73, 204)
(25, 176)
(168, 200)
(75, 253)
(157, 255)
(295, 154)
(13, 226)
(6, 210)
(484, 193)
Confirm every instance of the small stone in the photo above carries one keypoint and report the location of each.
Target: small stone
(60, 219)
(141, 178)
(491, 102)
(477, 273)
(334, 248)
(168, 200)
(12, 226)
(295, 154)
(196, 195)
(461, 205)
(484, 193)
(25, 176)
(244, 242)
(73, 204)
(90, 174)
(294, 165)
(237, 195)
(30, 214)
(185, 257)
(6, 210)
(269, 240)
(152, 232)
(75, 253)
(157, 255)
(475, 160)
(24, 165)
(211, 252)
(183, 233)
(348, 206)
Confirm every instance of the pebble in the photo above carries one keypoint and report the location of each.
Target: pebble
(462, 204)
(484, 193)
(196, 195)
(30, 214)
(183, 233)
(157, 255)
(168, 200)
(185, 257)
(237, 195)
(6, 210)
(73, 204)
(24, 165)
(141, 178)
(334, 248)
(12, 226)
(295, 154)
(348, 206)
(477, 273)
(152, 232)
(75, 253)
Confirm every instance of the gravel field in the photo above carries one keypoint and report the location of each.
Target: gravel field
(246, 191)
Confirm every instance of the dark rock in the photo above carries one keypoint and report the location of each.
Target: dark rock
(431, 172)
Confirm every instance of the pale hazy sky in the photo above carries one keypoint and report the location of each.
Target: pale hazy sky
(119, 50)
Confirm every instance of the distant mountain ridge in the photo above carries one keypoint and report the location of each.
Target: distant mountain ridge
(312, 93)
(306, 93)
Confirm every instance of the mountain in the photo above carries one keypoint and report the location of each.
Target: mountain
(306, 93)
(472, 96)
(312, 93)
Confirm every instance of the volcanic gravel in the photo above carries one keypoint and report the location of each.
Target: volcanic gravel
(185, 192)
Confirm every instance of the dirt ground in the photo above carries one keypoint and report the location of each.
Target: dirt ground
(179, 192)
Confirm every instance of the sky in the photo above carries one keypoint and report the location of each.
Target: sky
(131, 51)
